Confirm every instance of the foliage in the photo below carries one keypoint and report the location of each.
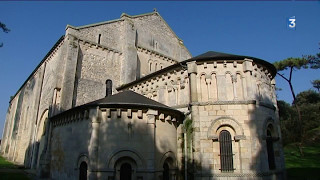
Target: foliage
(291, 64)
(310, 61)
(307, 97)
(316, 84)
(4, 29)
(309, 102)
(288, 63)
(289, 122)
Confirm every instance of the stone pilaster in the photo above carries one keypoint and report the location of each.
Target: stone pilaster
(94, 143)
(129, 61)
(247, 69)
(68, 81)
(192, 72)
(151, 121)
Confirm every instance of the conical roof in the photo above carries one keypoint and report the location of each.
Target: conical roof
(220, 55)
(128, 98)
(213, 55)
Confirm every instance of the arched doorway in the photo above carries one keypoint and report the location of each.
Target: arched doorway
(165, 174)
(125, 171)
(83, 171)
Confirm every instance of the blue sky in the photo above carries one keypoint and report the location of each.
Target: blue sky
(256, 29)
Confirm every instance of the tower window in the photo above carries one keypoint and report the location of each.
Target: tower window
(108, 87)
(226, 155)
(99, 38)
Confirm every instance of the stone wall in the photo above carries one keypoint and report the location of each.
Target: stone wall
(95, 65)
(105, 138)
(69, 142)
(234, 95)
(27, 107)
(155, 34)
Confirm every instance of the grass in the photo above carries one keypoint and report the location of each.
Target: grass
(9, 171)
(303, 167)
(4, 164)
(13, 176)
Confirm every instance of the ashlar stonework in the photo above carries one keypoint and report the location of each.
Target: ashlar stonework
(124, 99)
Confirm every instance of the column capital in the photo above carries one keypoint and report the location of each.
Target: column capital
(192, 67)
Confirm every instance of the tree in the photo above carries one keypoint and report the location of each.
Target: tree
(316, 84)
(307, 97)
(291, 64)
(309, 103)
(289, 122)
(5, 30)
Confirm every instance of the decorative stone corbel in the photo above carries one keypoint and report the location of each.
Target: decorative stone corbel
(239, 137)
(151, 114)
(213, 137)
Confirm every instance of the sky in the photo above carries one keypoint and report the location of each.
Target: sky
(252, 28)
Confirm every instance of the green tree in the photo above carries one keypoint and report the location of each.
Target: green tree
(292, 64)
(289, 122)
(307, 97)
(316, 84)
(4, 29)
(289, 65)
(309, 101)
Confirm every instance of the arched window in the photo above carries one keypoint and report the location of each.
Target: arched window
(150, 67)
(270, 150)
(108, 87)
(226, 155)
(125, 171)
(83, 171)
(165, 174)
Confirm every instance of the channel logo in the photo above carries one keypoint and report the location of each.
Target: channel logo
(291, 22)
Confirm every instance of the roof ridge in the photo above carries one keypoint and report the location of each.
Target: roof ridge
(110, 21)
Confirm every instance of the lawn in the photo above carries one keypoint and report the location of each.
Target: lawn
(9, 171)
(303, 167)
(4, 164)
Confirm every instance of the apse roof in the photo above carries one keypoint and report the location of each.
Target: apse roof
(131, 99)
(127, 99)
(213, 55)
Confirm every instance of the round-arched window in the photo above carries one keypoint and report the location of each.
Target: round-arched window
(226, 155)
(83, 171)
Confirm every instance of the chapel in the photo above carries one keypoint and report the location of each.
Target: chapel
(125, 100)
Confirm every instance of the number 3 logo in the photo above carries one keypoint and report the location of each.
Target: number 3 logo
(292, 22)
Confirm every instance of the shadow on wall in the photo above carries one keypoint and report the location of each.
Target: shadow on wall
(268, 155)
(260, 154)
(136, 147)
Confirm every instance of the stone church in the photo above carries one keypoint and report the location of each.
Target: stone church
(124, 99)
